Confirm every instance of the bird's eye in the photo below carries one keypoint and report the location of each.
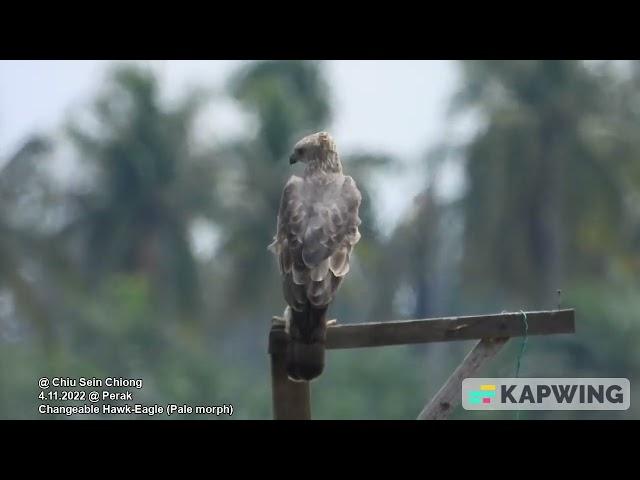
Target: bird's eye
(299, 150)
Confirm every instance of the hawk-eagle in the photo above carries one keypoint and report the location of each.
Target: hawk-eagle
(317, 229)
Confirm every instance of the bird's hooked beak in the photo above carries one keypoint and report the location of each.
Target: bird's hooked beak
(292, 159)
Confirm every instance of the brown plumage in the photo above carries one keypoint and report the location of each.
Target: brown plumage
(317, 229)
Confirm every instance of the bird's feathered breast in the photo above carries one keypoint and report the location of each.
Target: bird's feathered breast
(317, 229)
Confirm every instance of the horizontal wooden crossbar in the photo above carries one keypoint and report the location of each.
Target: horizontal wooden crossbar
(450, 329)
(445, 329)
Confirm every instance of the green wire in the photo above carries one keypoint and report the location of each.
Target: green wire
(522, 349)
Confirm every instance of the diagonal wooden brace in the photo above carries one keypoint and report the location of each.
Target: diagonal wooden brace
(448, 397)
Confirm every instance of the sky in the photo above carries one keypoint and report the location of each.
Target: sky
(395, 107)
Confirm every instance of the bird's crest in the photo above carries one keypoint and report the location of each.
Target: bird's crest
(326, 142)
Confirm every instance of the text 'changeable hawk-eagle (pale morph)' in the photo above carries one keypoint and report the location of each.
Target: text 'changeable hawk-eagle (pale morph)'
(316, 232)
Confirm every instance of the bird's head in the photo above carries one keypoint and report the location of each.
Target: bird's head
(318, 151)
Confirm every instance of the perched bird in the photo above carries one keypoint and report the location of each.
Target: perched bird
(317, 229)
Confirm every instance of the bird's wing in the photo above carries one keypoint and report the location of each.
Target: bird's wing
(315, 239)
(287, 243)
(332, 230)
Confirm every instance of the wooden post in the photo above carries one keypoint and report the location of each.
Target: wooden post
(448, 397)
(291, 400)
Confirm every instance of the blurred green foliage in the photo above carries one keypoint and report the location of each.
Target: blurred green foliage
(100, 278)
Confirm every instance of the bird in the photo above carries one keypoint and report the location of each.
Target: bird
(317, 228)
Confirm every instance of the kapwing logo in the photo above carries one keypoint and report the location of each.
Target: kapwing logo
(482, 396)
(546, 394)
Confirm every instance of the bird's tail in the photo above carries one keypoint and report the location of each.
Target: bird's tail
(305, 352)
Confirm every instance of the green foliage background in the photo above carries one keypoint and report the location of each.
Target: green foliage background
(100, 277)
